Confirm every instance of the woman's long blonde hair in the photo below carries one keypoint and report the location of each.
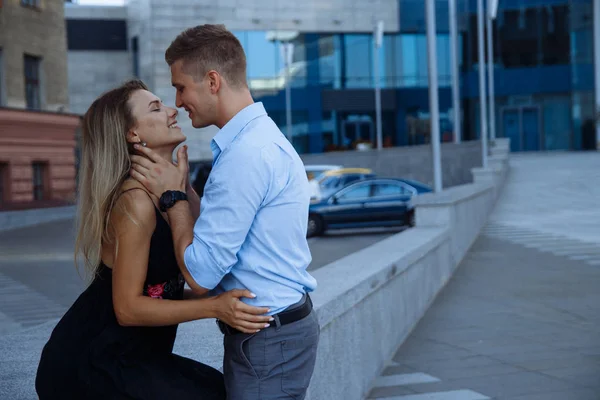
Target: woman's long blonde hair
(104, 166)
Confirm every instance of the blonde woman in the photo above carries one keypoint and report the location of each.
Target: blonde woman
(116, 341)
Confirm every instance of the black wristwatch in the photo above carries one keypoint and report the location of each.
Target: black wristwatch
(169, 198)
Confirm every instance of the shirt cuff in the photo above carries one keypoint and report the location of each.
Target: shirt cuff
(201, 266)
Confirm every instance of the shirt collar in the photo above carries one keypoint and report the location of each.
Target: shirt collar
(229, 132)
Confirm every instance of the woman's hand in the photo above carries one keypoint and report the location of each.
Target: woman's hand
(241, 316)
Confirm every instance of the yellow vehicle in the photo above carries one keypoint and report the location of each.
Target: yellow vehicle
(344, 171)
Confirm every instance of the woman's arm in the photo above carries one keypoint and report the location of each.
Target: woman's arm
(134, 221)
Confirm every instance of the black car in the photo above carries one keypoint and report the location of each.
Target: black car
(377, 202)
(199, 171)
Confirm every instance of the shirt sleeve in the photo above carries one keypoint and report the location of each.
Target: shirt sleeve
(233, 196)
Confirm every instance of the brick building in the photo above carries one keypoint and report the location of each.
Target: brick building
(37, 134)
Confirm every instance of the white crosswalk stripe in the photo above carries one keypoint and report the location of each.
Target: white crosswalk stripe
(447, 395)
(24, 307)
(418, 378)
(558, 245)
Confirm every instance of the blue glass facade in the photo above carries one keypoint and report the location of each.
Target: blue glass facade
(543, 78)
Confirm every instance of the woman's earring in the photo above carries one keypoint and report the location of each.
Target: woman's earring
(143, 144)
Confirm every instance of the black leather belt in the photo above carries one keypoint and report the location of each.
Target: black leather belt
(285, 317)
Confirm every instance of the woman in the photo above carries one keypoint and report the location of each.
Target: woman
(116, 341)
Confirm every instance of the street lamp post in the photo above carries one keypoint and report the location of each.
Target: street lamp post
(596, 31)
(455, 72)
(491, 15)
(482, 89)
(288, 49)
(433, 94)
(378, 38)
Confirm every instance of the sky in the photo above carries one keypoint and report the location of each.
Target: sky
(101, 2)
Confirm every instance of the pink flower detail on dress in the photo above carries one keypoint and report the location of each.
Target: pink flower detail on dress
(156, 291)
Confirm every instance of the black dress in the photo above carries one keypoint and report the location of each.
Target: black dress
(90, 356)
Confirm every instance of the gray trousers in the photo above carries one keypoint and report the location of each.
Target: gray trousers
(275, 363)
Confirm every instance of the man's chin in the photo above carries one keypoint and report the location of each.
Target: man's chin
(200, 124)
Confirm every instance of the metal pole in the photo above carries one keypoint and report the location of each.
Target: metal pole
(482, 95)
(596, 22)
(288, 91)
(434, 112)
(378, 34)
(455, 72)
(490, 65)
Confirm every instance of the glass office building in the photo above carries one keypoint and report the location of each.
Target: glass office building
(543, 69)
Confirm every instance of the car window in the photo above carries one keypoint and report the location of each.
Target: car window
(350, 178)
(330, 182)
(358, 192)
(389, 189)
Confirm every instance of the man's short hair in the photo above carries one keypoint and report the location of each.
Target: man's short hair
(210, 47)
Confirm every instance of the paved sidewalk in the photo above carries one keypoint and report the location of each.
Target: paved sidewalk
(513, 323)
(520, 319)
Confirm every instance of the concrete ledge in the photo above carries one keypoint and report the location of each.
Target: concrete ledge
(19, 219)
(462, 209)
(369, 302)
(501, 143)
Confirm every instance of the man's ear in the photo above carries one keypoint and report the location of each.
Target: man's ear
(213, 79)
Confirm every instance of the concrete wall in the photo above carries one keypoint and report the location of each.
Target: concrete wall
(307, 16)
(37, 32)
(92, 73)
(414, 162)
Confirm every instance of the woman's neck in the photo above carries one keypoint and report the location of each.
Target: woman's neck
(165, 152)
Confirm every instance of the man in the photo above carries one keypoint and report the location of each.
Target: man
(251, 232)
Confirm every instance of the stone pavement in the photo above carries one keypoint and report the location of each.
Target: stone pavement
(520, 319)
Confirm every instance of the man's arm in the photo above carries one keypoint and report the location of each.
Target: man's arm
(182, 229)
(193, 200)
(208, 250)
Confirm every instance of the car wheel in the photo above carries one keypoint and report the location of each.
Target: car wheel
(315, 226)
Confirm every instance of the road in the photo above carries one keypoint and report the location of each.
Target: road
(38, 280)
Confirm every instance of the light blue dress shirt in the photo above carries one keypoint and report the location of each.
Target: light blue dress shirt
(251, 233)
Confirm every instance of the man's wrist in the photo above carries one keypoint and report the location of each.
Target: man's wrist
(170, 198)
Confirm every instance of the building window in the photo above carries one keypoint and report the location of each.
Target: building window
(40, 178)
(135, 53)
(1, 76)
(358, 61)
(519, 38)
(31, 3)
(4, 179)
(32, 82)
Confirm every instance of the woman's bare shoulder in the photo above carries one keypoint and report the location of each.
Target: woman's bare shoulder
(135, 202)
(130, 184)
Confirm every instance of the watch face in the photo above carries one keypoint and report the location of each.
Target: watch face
(169, 198)
(165, 200)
